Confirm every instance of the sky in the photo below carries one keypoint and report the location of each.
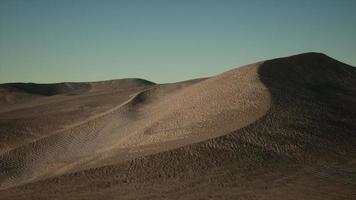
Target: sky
(164, 40)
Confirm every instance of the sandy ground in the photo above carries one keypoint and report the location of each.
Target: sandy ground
(278, 129)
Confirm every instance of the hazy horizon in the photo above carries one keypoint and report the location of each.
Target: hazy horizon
(164, 41)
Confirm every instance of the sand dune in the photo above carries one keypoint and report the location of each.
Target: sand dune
(278, 129)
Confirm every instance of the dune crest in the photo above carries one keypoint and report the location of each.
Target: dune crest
(282, 120)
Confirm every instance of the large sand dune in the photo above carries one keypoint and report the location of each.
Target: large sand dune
(278, 129)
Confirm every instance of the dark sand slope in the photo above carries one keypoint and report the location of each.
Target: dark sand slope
(280, 129)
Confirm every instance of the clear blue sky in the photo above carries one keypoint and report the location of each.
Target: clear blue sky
(166, 40)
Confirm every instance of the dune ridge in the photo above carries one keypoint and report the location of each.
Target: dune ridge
(277, 129)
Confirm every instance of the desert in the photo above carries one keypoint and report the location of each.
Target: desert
(283, 128)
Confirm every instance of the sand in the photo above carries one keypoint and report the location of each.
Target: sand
(278, 129)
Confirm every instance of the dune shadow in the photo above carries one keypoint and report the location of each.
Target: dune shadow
(313, 112)
(49, 89)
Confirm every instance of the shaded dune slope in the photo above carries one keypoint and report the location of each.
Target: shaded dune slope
(13, 93)
(280, 129)
(48, 89)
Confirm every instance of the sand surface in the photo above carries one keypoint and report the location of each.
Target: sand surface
(278, 129)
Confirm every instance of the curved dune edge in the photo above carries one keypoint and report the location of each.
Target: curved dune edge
(37, 117)
(180, 114)
(302, 147)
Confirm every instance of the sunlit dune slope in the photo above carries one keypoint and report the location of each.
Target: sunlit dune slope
(278, 129)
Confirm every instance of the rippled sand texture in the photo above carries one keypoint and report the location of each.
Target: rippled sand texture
(278, 129)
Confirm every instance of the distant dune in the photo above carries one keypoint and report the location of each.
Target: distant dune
(278, 129)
